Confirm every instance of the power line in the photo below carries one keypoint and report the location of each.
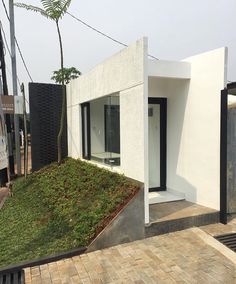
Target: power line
(8, 49)
(5, 38)
(103, 34)
(17, 44)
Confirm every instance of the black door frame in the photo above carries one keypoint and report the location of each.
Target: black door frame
(86, 155)
(223, 151)
(163, 140)
(105, 125)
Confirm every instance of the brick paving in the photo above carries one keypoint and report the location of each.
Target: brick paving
(4, 192)
(180, 257)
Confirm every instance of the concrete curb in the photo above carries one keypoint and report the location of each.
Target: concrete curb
(211, 241)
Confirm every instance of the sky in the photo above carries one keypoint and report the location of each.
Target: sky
(175, 30)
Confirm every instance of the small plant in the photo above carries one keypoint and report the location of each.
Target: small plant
(67, 75)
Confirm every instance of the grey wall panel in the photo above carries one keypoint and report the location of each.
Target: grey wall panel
(231, 161)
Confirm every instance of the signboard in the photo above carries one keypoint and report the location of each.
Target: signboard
(12, 104)
(18, 104)
(8, 104)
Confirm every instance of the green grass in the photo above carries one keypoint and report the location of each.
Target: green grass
(58, 208)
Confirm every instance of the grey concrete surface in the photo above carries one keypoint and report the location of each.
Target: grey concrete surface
(126, 227)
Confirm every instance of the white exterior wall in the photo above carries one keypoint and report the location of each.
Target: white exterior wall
(202, 126)
(193, 127)
(193, 122)
(73, 122)
(124, 73)
(132, 132)
(169, 69)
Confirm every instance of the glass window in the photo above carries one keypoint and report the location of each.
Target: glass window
(104, 130)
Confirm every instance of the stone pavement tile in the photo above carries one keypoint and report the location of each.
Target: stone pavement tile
(36, 279)
(86, 281)
(57, 281)
(180, 257)
(35, 271)
(28, 278)
(75, 279)
(4, 193)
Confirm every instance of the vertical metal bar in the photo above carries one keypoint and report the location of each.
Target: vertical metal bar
(14, 84)
(25, 133)
(8, 278)
(163, 138)
(223, 156)
(86, 140)
(22, 277)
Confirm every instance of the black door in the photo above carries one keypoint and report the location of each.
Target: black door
(162, 145)
(112, 128)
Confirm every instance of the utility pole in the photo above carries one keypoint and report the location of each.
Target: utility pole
(14, 85)
(7, 116)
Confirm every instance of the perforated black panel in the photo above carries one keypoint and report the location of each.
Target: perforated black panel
(14, 277)
(45, 112)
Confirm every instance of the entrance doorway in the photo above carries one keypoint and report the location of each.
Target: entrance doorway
(157, 118)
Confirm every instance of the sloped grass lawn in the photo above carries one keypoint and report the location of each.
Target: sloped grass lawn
(59, 208)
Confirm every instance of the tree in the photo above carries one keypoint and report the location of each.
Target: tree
(68, 74)
(54, 10)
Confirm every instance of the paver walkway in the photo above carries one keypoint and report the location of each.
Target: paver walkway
(180, 257)
(4, 192)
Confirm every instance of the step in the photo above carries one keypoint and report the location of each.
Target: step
(178, 215)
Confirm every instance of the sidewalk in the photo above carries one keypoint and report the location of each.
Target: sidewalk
(4, 192)
(190, 256)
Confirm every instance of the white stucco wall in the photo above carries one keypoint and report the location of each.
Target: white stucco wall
(193, 127)
(193, 123)
(169, 69)
(123, 73)
(202, 126)
(132, 132)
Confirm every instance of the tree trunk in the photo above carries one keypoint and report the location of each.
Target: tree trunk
(63, 107)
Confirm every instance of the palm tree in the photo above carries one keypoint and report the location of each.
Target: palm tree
(54, 10)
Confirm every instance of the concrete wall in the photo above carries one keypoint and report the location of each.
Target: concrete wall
(127, 226)
(193, 127)
(203, 125)
(132, 132)
(123, 73)
(193, 109)
(169, 69)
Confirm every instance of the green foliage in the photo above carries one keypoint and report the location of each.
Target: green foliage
(67, 74)
(52, 9)
(58, 208)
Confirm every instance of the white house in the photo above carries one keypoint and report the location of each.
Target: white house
(155, 121)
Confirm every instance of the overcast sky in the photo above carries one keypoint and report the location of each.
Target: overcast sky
(176, 29)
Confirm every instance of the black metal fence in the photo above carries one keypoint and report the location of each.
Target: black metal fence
(45, 102)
